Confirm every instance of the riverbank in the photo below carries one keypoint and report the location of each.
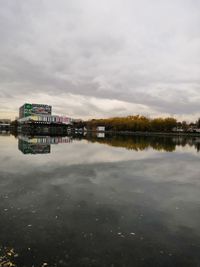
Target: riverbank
(148, 133)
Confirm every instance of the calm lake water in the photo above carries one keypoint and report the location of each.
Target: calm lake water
(96, 201)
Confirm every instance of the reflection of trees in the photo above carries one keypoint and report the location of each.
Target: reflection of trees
(140, 143)
(137, 143)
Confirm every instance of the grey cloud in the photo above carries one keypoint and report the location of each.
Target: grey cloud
(125, 51)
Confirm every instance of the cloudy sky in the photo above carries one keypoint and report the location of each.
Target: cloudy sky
(90, 58)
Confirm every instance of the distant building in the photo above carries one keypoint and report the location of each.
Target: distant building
(40, 113)
(34, 109)
(5, 121)
(5, 124)
(177, 129)
(101, 129)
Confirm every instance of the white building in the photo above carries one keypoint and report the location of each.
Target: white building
(100, 128)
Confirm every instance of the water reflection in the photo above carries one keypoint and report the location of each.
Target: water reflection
(42, 144)
(39, 144)
(91, 204)
(4, 133)
(159, 143)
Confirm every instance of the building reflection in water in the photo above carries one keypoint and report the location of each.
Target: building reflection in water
(4, 133)
(42, 144)
(39, 144)
(100, 135)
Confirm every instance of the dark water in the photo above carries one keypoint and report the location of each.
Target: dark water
(94, 201)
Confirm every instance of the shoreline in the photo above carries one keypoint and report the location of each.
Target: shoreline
(185, 134)
(62, 131)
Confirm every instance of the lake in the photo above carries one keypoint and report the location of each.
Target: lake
(109, 201)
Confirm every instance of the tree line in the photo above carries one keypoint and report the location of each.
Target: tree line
(141, 123)
(134, 123)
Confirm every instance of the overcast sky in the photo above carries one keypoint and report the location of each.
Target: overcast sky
(90, 58)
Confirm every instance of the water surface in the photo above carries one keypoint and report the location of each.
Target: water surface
(100, 201)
